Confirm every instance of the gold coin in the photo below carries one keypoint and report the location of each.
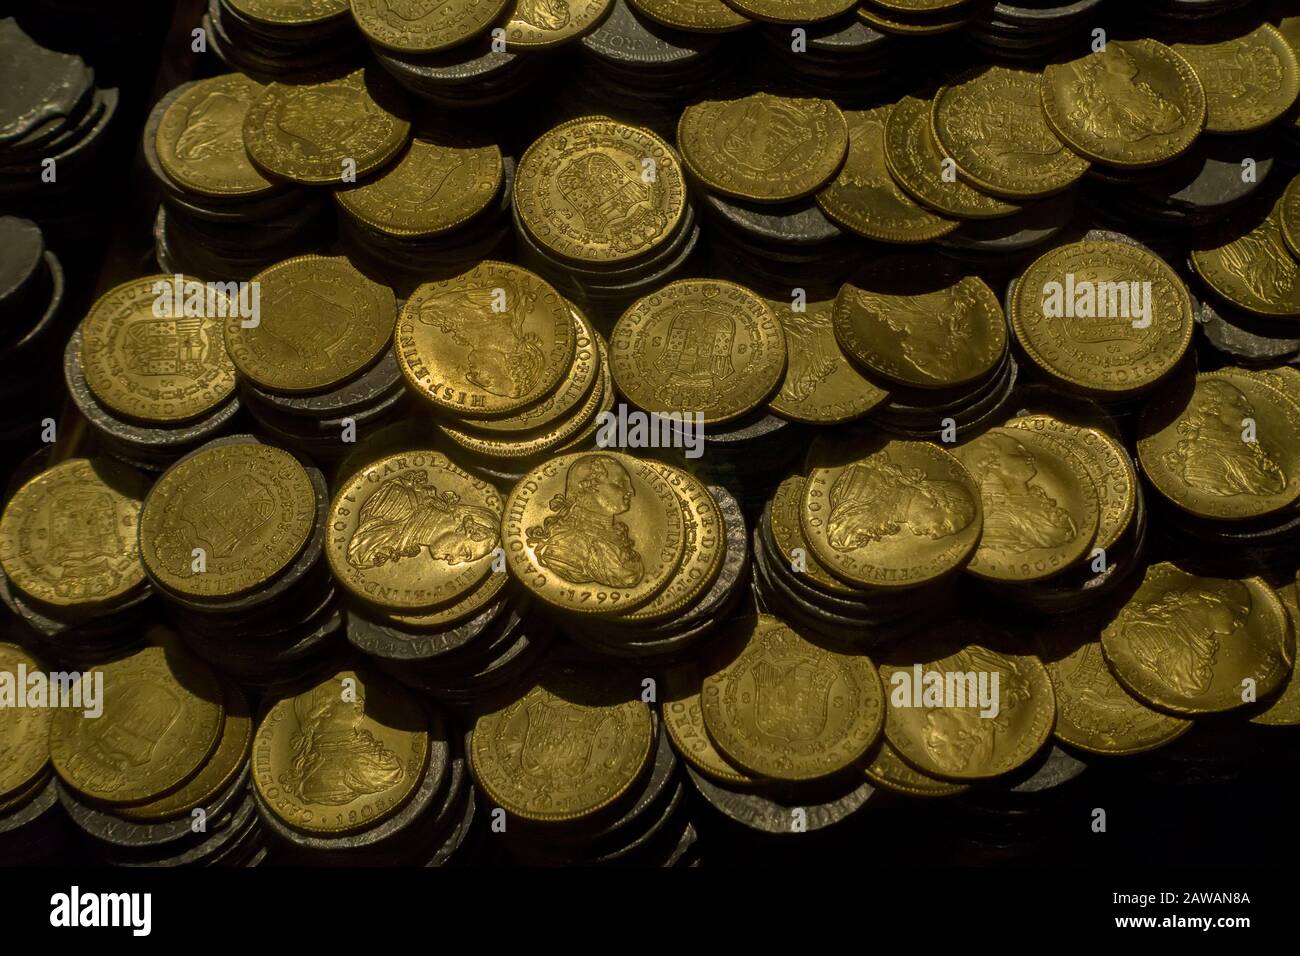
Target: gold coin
(598, 191)
(1249, 81)
(1041, 509)
(916, 163)
(864, 197)
(438, 185)
(246, 509)
(698, 345)
(21, 798)
(1187, 644)
(1135, 103)
(914, 320)
(1288, 214)
(200, 138)
(225, 764)
(935, 717)
(68, 536)
(342, 756)
(703, 549)
(1108, 465)
(792, 11)
(594, 532)
(162, 716)
(143, 360)
(820, 386)
(1107, 318)
(486, 343)
(890, 513)
(424, 27)
(919, 6)
(327, 133)
(762, 147)
(568, 397)
(537, 25)
(1094, 712)
(522, 754)
(457, 611)
(889, 22)
(1255, 270)
(293, 13)
(889, 771)
(1284, 709)
(412, 531)
(990, 123)
(24, 731)
(694, 16)
(748, 711)
(684, 720)
(788, 536)
(321, 323)
(1228, 448)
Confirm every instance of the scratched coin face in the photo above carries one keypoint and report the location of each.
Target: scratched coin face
(486, 343)
(200, 138)
(68, 536)
(148, 356)
(598, 191)
(412, 532)
(321, 322)
(226, 520)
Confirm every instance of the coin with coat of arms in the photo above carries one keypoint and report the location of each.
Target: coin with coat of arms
(565, 748)
(158, 368)
(788, 709)
(595, 190)
(1249, 80)
(424, 26)
(68, 536)
(226, 519)
(24, 731)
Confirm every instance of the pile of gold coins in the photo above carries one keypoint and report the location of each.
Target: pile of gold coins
(652, 432)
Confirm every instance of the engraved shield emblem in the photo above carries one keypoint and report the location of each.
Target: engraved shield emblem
(791, 699)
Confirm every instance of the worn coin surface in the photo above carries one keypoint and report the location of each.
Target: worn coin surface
(162, 716)
(485, 343)
(422, 26)
(890, 771)
(695, 16)
(990, 122)
(200, 138)
(1186, 643)
(24, 730)
(1284, 709)
(226, 520)
(1041, 509)
(342, 756)
(1255, 270)
(866, 199)
(331, 132)
(523, 755)
(1249, 80)
(594, 532)
(599, 191)
(145, 358)
(1104, 317)
(683, 718)
(763, 147)
(1135, 103)
(68, 536)
(321, 323)
(792, 547)
(704, 346)
(891, 514)
(787, 709)
(412, 531)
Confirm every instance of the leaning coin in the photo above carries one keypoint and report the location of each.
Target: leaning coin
(1255, 270)
(200, 139)
(684, 719)
(1289, 217)
(1284, 709)
(536, 25)
(890, 772)
(1249, 80)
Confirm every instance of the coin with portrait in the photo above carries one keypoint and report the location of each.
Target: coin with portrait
(1255, 269)
(200, 138)
(541, 24)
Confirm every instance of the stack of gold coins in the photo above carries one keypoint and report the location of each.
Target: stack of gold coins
(601, 209)
(1222, 451)
(512, 372)
(33, 829)
(157, 773)
(148, 368)
(71, 562)
(624, 804)
(438, 209)
(315, 365)
(231, 537)
(637, 558)
(221, 217)
(415, 541)
(271, 39)
(357, 770)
